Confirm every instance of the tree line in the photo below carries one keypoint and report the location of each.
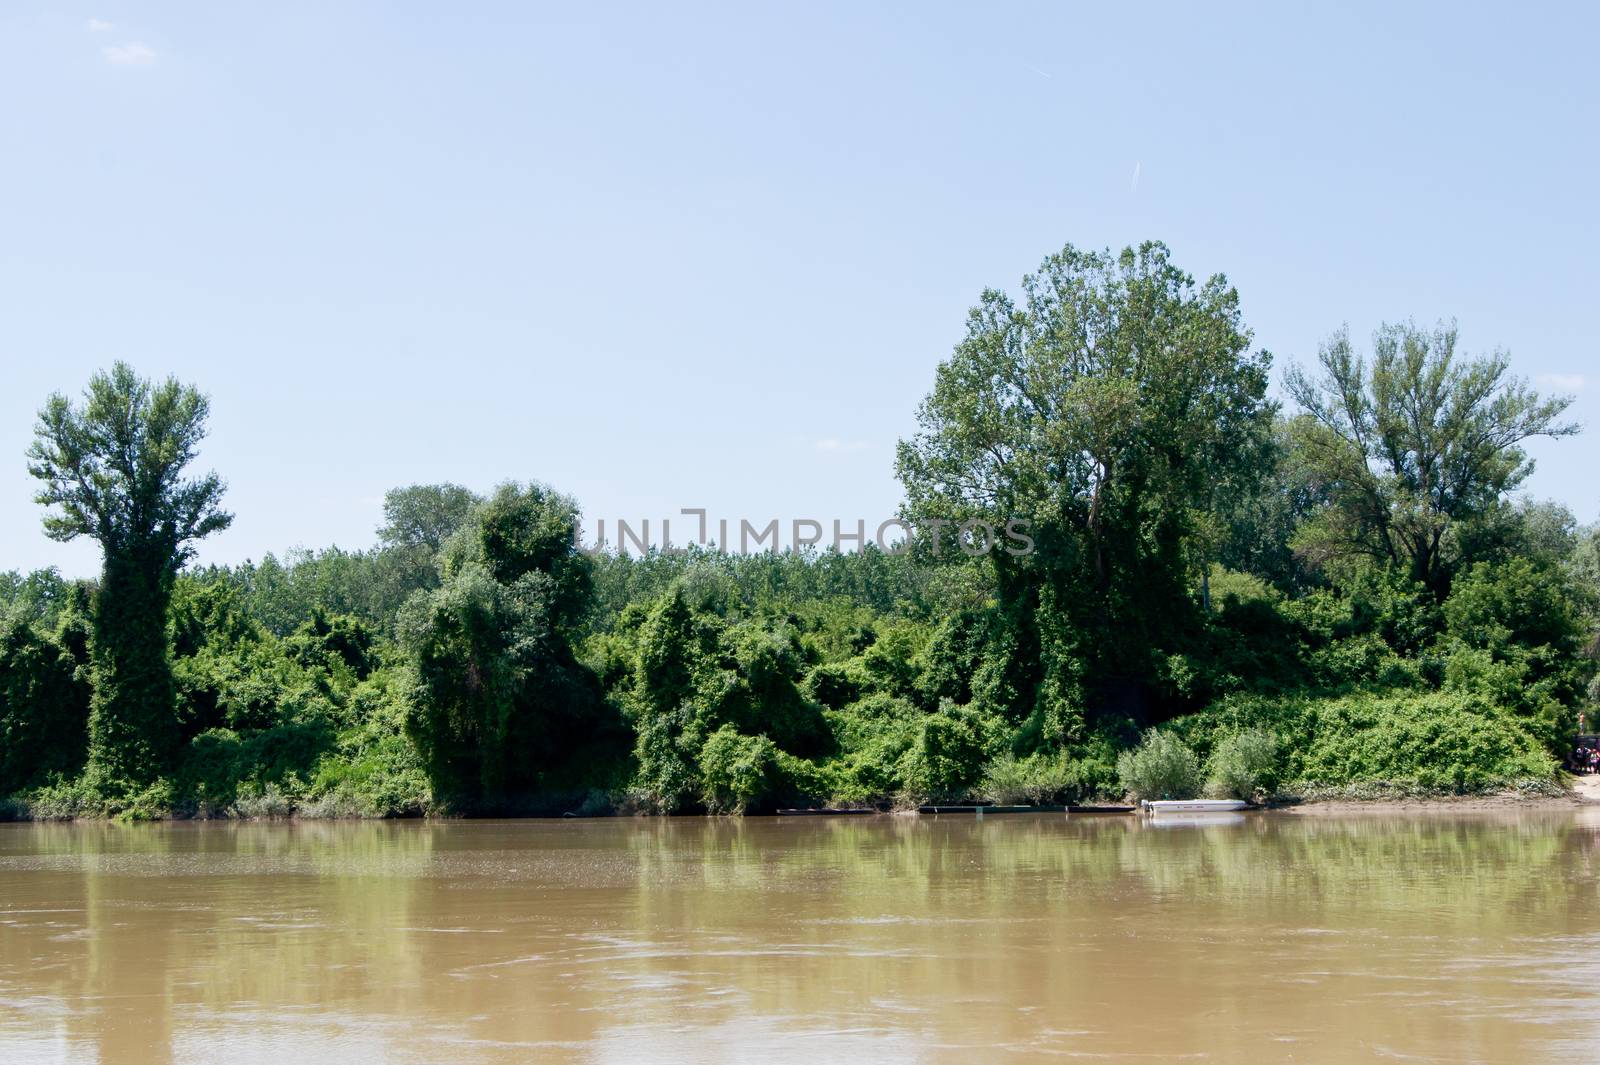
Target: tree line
(1347, 595)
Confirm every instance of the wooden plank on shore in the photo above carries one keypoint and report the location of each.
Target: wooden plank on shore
(991, 809)
(1105, 809)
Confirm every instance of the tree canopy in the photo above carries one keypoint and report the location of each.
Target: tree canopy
(114, 463)
(1352, 595)
(1415, 447)
(1113, 408)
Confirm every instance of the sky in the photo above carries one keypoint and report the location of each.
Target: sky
(674, 256)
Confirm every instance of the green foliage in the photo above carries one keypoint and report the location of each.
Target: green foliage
(1417, 449)
(39, 597)
(1035, 780)
(695, 675)
(874, 734)
(738, 772)
(424, 516)
(500, 703)
(666, 747)
(370, 585)
(1516, 633)
(1161, 767)
(811, 581)
(1371, 742)
(523, 530)
(495, 684)
(1112, 408)
(1244, 765)
(44, 709)
(947, 752)
(373, 770)
(1346, 599)
(112, 467)
(1438, 742)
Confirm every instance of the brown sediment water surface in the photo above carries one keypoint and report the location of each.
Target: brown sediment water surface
(1436, 937)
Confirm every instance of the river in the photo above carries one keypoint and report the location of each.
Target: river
(1434, 937)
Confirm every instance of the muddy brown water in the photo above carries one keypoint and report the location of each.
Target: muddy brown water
(1265, 938)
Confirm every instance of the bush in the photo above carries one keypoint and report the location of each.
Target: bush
(262, 802)
(1244, 765)
(947, 753)
(342, 803)
(875, 733)
(1161, 767)
(737, 772)
(665, 748)
(837, 684)
(1035, 780)
(1451, 742)
(63, 800)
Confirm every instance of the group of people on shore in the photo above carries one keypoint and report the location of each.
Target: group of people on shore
(1584, 760)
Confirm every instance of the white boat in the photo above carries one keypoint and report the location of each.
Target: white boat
(1194, 806)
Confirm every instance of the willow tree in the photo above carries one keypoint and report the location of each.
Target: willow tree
(1112, 407)
(113, 469)
(1415, 449)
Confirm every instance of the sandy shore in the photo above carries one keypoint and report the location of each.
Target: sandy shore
(1585, 792)
(1587, 787)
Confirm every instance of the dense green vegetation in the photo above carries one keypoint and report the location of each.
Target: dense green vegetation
(1222, 595)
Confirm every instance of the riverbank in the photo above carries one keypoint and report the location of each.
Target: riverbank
(1440, 804)
(1579, 791)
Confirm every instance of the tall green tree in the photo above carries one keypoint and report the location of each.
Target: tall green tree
(113, 468)
(1415, 448)
(1105, 408)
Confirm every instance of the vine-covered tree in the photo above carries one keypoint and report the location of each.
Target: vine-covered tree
(112, 467)
(500, 703)
(1106, 409)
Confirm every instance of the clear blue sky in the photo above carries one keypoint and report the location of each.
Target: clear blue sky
(672, 255)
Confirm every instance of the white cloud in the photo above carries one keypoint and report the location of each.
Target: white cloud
(1567, 382)
(131, 54)
(1133, 186)
(99, 26)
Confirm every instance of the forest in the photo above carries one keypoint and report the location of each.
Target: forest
(1342, 592)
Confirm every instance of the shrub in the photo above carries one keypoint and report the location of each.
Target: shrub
(947, 753)
(153, 802)
(1040, 778)
(63, 800)
(737, 772)
(1161, 767)
(1456, 742)
(665, 748)
(837, 684)
(264, 802)
(343, 802)
(875, 732)
(1244, 765)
